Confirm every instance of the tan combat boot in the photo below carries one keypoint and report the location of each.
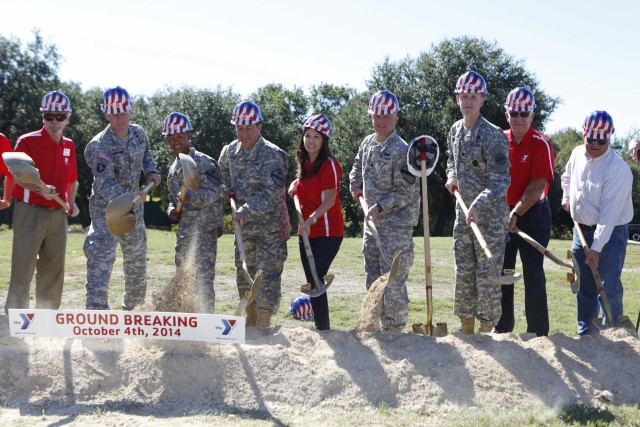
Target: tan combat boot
(252, 314)
(467, 325)
(264, 317)
(485, 328)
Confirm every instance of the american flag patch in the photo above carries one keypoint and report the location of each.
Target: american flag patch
(104, 156)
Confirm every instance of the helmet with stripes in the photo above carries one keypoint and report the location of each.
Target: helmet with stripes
(383, 102)
(246, 113)
(520, 99)
(319, 123)
(471, 82)
(115, 100)
(176, 123)
(55, 101)
(599, 125)
(301, 308)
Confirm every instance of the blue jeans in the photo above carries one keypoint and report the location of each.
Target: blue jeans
(610, 269)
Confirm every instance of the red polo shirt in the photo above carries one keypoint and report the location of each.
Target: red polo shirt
(56, 163)
(5, 146)
(531, 158)
(309, 191)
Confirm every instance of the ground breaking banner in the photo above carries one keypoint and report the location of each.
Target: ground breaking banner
(126, 324)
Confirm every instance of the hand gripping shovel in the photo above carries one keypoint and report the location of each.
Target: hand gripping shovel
(374, 231)
(255, 283)
(497, 279)
(320, 287)
(190, 178)
(425, 149)
(606, 306)
(573, 278)
(23, 170)
(119, 216)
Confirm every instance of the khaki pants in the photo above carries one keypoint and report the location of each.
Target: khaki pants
(39, 245)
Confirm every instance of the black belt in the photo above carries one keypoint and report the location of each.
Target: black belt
(588, 227)
(50, 208)
(539, 202)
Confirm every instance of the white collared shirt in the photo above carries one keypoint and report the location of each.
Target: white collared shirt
(599, 192)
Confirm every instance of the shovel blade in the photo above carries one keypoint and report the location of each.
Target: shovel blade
(119, 216)
(189, 172)
(319, 289)
(505, 280)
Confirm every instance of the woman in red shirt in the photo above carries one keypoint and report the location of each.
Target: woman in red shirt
(318, 188)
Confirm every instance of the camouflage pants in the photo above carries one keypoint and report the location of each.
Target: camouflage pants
(196, 253)
(100, 250)
(395, 306)
(266, 252)
(474, 295)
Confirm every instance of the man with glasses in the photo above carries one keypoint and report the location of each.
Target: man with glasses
(39, 222)
(532, 162)
(117, 156)
(596, 190)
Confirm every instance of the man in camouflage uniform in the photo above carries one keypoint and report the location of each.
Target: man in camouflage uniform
(253, 173)
(478, 166)
(200, 216)
(380, 175)
(117, 156)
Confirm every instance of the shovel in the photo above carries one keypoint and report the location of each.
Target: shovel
(497, 279)
(374, 231)
(119, 216)
(190, 178)
(320, 287)
(606, 306)
(255, 283)
(573, 277)
(23, 170)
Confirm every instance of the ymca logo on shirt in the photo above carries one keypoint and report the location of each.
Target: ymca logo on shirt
(524, 158)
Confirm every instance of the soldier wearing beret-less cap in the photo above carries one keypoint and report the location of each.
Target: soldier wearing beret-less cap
(478, 166)
(596, 190)
(117, 156)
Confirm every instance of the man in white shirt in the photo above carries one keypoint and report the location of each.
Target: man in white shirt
(596, 187)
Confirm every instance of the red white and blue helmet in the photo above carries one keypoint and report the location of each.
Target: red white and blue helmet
(520, 99)
(176, 123)
(383, 102)
(598, 125)
(301, 308)
(246, 113)
(115, 100)
(55, 101)
(319, 123)
(471, 82)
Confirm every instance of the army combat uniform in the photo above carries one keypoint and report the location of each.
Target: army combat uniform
(479, 158)
(201, 224)
(116, 164)
(256, 178)
(380, 170)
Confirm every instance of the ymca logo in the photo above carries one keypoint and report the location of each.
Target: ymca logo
(524, 158)
(228, 326)
(27, 319)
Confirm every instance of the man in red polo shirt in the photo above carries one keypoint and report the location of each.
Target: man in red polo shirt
(5, 146)
(39, 223)
(532, 162)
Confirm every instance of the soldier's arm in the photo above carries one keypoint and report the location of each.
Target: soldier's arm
(104, 177)
(225, 174)
(355, 176)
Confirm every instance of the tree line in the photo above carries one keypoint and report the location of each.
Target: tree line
(424, 87)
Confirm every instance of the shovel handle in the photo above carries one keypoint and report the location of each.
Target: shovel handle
(61, 202)
(542, 249)
(474, 226)
(374, 230)
(145, 190)
(307, 245)
(427, 243)
(179, 206)
(596, 276)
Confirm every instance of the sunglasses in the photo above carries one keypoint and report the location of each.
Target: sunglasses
(52, 117)
(597, 141)
(521, 113)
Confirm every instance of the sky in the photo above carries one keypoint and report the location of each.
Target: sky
(584, 52)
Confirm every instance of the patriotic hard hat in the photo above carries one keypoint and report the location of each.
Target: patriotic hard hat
(471, 82)
(246, 113)
(55, 101)
(115, 100)
(598, 125)
(319, 123)
(301, 308)
(176, 123)
(520, 99)
(383, 102)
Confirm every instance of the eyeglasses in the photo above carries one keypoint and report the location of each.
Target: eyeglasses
(521, 114)
(52, 117)
(598, 141)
